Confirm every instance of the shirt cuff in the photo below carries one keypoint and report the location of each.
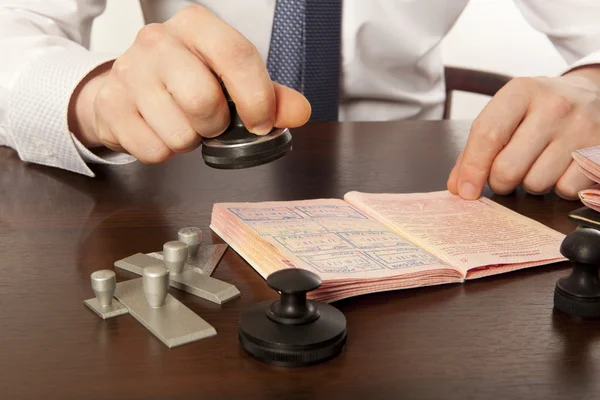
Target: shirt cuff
(38, 112)
(590, 59)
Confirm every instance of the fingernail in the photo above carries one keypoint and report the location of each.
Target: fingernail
(468, 191)
(262, 129)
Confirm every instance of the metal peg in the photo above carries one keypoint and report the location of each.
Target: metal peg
(104, 283)
(156, 285)
(191, 236)
(174, 255)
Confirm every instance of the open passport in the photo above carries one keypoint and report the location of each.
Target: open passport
(369, 243)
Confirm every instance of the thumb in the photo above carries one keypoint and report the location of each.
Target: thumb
(292, 108)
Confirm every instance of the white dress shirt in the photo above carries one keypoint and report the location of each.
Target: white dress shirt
(391, 59)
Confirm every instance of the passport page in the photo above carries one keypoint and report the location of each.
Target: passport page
(591, 197)
(351, 252)
(588, 162)
(478, 237)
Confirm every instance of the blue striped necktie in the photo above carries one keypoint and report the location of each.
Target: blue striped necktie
(305, 52)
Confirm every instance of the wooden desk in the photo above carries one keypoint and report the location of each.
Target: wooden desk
(492, 338)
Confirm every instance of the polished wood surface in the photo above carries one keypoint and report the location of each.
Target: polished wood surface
(492, 338)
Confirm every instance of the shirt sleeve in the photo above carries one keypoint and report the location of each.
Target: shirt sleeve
(46, 54)
(572, 26)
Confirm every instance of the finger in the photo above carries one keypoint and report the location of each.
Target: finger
(124, 128)
(490, 132)
(154, 103)
(548, 168)
(556, 169)
(527, 143)
(571, 182)
(139, 140)
(108, 138)
(167, 120)
(194, 88)
(452, 178)
(293, 109)
(234, 59)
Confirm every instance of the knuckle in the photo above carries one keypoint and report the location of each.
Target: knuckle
(260, 109)
(189, 14)
(257, 106)
(489, 134)
(203, 105)
(217, 126)
(470, 163)
(241, 52)
(261, 100)
(583, 124)
(494, 136)
(214, 126)
(523, 82)
(121, 67)
(189, 17)
(151, 35)
(558, 106)
(505, 174)
(181, 139)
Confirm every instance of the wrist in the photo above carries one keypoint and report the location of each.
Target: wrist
(81, 116)
(589, 72)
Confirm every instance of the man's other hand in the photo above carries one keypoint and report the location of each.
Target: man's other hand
(525, 136)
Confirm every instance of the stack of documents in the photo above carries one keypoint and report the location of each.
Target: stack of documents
(379, 242)
(588, 162)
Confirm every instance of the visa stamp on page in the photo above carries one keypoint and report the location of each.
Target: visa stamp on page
(373, 240)
(286, 227)
(331, 211)
(264, 214)
(408, 257)
(313, 243)
(341, 262)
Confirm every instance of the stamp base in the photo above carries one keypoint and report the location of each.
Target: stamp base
(189, 280)
(114, 310)
(173, 323)
(205, 262)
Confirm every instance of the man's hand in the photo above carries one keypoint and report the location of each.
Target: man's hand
(525, 136)
(161, 96)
